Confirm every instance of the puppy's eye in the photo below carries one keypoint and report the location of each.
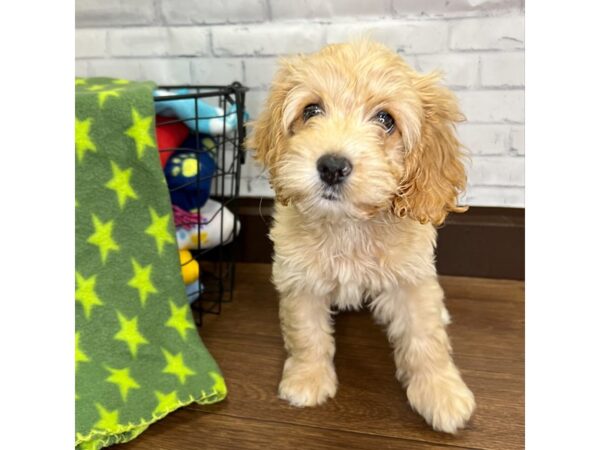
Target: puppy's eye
(385, 120)
(311, 111)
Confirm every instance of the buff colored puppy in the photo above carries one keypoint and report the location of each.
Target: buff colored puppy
(364, 161)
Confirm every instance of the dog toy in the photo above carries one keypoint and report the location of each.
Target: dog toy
(190, 272)
(210, 118)
(190, 269)
(194, 290)
(215, 228)
(169, 136)
(189, 173)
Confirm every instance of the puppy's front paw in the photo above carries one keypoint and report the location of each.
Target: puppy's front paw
(307, 384)
(444, 400)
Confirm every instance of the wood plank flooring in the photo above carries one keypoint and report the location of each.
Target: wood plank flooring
(370, 410)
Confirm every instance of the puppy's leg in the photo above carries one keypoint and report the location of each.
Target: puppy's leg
(422, 352)
(308, 374)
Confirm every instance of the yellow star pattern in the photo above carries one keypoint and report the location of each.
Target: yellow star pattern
(104, 221)
(83, 142)
(178, 319)
(130, 334)
(86, 293)
(88, 445)
(102, 237)
(166, 402)
(120, 184)
(219, 385)
(123, 380)
(109, 420)
(159, 229)
(79, 355)
(103, 96)
(141, 281)
(176, 366)
(140, 132)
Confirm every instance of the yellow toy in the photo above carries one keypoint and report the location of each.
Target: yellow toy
(190, 269)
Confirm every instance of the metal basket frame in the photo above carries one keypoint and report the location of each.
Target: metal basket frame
(217, 263)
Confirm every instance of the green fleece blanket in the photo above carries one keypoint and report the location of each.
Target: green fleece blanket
(138, 355)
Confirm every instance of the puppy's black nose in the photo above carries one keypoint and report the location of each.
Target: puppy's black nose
(333, 169)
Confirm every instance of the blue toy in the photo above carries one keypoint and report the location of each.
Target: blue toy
(194, 291)
(210, 118)
(189, 173)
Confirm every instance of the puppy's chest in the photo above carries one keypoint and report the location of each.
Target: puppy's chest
(347, 264)
(356, 271)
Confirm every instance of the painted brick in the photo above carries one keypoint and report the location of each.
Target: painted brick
(252, 168)
(90, 43)
(497, 171)
(146, 41)
(155, 41)
(269, 39)
(166, 71)
(310, 9)
(401, 36)
(259, 72)
(506, 196)
(503, 70)
(110, 13)
(460, 70)
(189, 41)
(437, 8)
(186, 12)
(517, 140)
(499, 33)
(120, 68)
(161, 71)
(216, 70)
(256, 187)
(485, 139)
(255, 102)
(81, 68)
(493, 106)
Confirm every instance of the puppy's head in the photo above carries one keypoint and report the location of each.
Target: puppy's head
(352, 131)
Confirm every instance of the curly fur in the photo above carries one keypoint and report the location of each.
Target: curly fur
(376, 241)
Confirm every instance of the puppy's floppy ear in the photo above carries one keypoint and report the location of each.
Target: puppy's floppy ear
(268, 130)
(434, 171)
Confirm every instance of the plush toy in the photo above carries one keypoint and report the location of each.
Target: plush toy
(190, 269)
(210, 118)
(189, 173)
(194, 290)
(214, 218)
(190, 272)
(169, 136)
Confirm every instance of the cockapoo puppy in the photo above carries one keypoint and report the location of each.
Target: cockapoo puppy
(364, 162)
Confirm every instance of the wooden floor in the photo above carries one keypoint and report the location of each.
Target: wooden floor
(370, 410)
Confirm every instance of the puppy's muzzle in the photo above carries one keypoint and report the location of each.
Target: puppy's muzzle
(333, 169)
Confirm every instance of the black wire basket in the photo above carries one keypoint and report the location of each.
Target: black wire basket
(215, 256)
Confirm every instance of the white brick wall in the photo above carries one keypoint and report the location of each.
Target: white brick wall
(477, 44)
(406, 37)
(266, 39)
(493, 106)
(111, 13)
(311, 9)
(503, 70)
(493, 33)
(185, 12)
